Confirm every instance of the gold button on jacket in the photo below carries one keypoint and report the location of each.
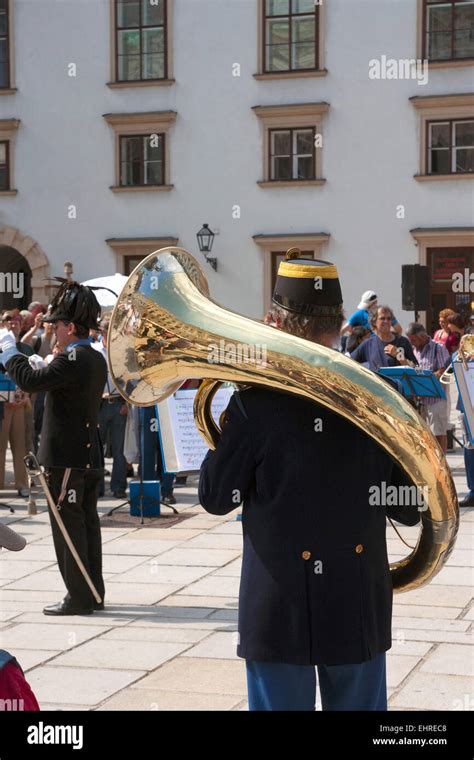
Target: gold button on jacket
(306, 555)
(359, 549)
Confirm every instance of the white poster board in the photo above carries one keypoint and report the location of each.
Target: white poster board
(465, 383)
(182, 446)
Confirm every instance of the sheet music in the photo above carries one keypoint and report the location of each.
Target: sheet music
(183, 448)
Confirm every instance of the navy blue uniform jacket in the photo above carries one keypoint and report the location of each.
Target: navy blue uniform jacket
(315, 585)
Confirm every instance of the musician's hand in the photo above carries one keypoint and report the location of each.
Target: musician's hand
(123, 410)
(391, 350)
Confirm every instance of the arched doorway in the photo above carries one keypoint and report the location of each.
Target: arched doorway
(21, 255)
(15, 279)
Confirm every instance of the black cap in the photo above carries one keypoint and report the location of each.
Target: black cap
(75, 303)
(307, 286)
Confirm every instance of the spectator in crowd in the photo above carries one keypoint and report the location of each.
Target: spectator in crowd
(441, 335)
(434, 357)
(113, 418)
(357, 336)
(384, 349)
(27, 322)
(470, 329)
(455, 325)
(13, 431)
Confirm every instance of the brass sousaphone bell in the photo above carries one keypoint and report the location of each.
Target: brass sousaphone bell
(161, 333)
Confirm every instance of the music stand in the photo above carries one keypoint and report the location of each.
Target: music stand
(421, 383)
(140, 477)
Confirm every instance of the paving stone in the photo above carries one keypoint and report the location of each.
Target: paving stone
(81, 686)
(33, 554)
(451, 659)
(165, 534)
(206, 676)
(138, 593)
(421, 611)
(27, 596)
(232, 526)
(461, 557)
(455, 576)
(50, 580)
(30, 658)
(114, 655)
(52, 707)
(184, 635)
(157, 700)
(218, 602)
(430, 624)
(439, 596)
(215, 541)
(14, 570)
(398, 667)
(151, 572)
(60, 636)
(197, 557)
(400, 645)
(435, 692)
(435, 636)
(99, 619)
(198, 624)
(218, 585)
(233, 569)
(120, 563)
(218, 645)
(469, 615)
(139, 547)
(232, 615)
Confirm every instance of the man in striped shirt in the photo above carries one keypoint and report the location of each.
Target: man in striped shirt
(435, 357)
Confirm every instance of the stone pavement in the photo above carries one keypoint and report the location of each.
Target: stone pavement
(167, 638)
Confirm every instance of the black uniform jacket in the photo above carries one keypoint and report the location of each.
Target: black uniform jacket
(74, 382)
(315, 585)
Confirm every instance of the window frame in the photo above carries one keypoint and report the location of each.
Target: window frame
(290, 116)
(440, 61)
(290, 16)
(143, 135)
(7, 85)
(136, 125)
(439, 108)
(140, 29)
(451, 147)
(293, 156)
(7, 165)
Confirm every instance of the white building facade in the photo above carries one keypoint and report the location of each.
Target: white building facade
(127, 124)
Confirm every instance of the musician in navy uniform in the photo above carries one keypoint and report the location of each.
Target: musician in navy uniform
(70, 448)
(315, 587)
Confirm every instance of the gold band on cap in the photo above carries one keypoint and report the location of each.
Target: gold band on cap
(305, 270)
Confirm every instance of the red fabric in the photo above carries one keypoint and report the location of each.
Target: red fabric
(453, 341)
(15, 687)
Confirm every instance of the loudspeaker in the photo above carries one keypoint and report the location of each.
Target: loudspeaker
(415, 287)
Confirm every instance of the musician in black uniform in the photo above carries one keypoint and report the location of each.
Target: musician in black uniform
(315, 587)
(70, 448)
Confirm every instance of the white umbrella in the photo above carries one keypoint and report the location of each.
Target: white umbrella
(114, 282)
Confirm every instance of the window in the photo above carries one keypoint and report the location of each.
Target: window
(140, 44)
(292, 154)
(8, 129)
(290, 30)
(4, 167)
(292, 140)
(141, 150)
(448, 30)
(446, 136)
(142, 159)
(450, 146)
(4, 46)
(130, 251)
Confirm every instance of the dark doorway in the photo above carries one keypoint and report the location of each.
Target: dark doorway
(443, 263)
(15, 280)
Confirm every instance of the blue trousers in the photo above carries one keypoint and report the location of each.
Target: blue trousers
(277, 686)
(469, 464)
(111, 419)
